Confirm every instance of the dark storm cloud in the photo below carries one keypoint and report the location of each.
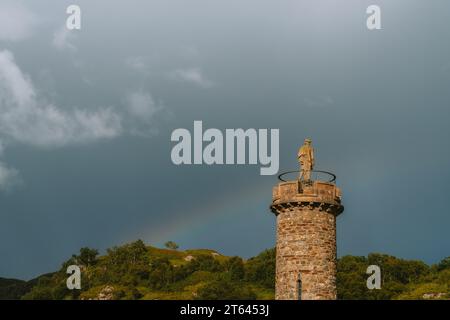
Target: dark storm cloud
(375, 104)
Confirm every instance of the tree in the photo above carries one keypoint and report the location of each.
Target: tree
(444, 264)
(235, 267)
(88, 256)
(171, 245)
(204, 262)
(127, 264)
(397, 275)
(161, 274)
(261, 269)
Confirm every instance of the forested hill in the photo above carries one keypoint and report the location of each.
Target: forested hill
(138, 271)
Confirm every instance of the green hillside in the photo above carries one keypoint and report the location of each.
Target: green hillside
(137, 271)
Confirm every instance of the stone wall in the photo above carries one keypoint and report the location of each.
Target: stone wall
(306, 240)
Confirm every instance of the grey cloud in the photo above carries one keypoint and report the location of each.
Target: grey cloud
(27, 119)
(142, 111)
(9, 177)
(141, 105)
(16, 21)
(63, 39)
(193, 76)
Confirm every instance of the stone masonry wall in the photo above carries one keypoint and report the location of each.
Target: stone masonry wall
(306, 246)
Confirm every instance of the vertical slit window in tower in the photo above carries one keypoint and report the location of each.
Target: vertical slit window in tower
(299, 286)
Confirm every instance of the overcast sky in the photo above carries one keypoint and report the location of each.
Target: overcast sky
(86, 118)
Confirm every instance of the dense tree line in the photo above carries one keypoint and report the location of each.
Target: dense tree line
(137, 271)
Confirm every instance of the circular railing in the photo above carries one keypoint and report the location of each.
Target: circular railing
(331, 176)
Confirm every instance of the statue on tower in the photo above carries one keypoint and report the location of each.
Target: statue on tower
(305, 157)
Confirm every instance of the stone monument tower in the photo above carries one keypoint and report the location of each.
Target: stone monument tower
(306, 211)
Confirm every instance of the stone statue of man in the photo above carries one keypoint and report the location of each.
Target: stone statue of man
(306, 159)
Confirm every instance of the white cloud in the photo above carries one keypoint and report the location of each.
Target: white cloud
(26, 118)
(9, 177)
(16, 21)
(141, 105)
(142, 111)
(63, 38)
(192, 75)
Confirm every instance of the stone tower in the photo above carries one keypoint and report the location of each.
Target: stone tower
(306, 214)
